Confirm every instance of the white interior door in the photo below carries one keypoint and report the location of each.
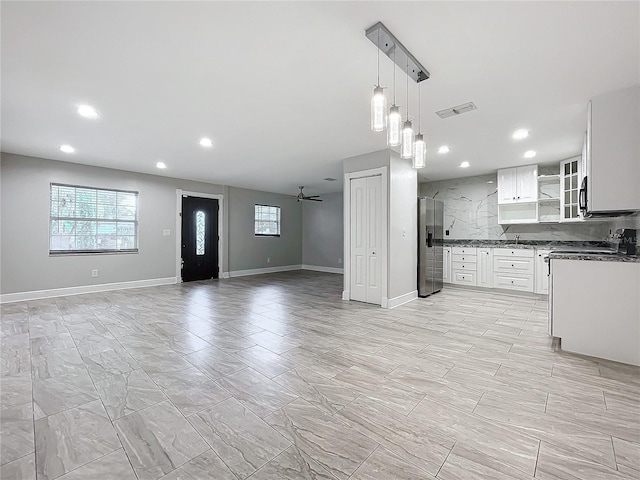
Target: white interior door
(366, 239)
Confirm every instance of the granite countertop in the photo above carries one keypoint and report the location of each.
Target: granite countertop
(527, 244)
(616, 257)
(576, 250)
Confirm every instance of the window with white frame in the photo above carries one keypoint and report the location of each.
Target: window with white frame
(92, 220)
(267, 221)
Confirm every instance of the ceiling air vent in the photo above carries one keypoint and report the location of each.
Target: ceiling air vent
(457, 110)
(329, 179)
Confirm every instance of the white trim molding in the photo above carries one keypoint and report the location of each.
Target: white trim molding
(402, 299)
(221, 233)
(260, 271)
(317, 268)
(346, 295)
(103, 287)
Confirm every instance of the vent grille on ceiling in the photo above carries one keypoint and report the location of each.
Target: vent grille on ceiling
(457, 110)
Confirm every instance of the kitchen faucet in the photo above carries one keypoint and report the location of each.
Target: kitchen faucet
(517, 238)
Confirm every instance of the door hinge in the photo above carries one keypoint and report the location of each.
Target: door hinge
(180, 214)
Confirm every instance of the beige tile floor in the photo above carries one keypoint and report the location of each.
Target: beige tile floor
(274, 377)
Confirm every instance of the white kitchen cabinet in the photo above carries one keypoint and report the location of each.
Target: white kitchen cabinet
(613, 152)
(527, 183)
(518, 195)
(463, 266)
(507, 185)
(513, 269)
(570, 180)
(484, 268)
(446, 264)
(595, 308)
(518, 184)
(541, 272)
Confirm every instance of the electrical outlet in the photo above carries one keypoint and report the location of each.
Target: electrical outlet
(166, 232)
(94, 273)
(268, 259)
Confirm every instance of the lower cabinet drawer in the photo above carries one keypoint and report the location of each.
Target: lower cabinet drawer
(513, 282)
(464, 258)
(465, 266)
(515, 265)
(463, 278)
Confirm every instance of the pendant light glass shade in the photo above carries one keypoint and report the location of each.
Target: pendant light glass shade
(407, 140)
(420, 153)
(378, 110)
(394, 131)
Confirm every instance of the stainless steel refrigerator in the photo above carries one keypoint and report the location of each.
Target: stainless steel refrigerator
(430, 239)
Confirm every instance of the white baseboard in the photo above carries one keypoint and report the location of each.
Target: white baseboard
(317, 268)
(64, 292)
(225, 274)
(346, 295)
(401, 300)
(260, 271)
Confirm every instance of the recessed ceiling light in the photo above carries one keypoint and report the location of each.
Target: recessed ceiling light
(443, 149)
(529, 154)
(67, 149)
(161, 165)
(330, 179)
(464, 165)
(520, 134)
(87, 111)
(490, 181)
(206, 142)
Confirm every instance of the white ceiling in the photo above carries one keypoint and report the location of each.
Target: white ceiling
(283, 88)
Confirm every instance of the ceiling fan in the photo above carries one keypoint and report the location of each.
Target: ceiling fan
(301, 196)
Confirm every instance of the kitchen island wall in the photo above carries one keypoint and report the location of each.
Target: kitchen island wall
(471, 212)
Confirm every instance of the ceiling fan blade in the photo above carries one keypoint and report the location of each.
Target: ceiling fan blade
(313, 199)
(312, 196)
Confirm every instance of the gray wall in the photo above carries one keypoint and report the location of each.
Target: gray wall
(471, 212)
(403, 227)
(322, 231)
(246, 251)
(24, 239)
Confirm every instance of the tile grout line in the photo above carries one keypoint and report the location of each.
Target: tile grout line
(446, 458)
(535, 469)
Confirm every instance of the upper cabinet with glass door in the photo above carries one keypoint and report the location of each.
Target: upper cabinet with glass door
(570, 178)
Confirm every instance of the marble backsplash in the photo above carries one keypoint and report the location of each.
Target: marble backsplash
(471, 212)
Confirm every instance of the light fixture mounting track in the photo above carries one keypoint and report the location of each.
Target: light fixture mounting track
(388, 44)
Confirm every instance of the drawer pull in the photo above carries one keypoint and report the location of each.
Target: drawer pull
(512, 264)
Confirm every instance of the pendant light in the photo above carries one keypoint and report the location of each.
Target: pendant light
(378, 102)
(420, 146)
(407, 130)
(394, 137)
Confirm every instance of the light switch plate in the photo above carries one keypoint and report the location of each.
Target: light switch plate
(166, 232)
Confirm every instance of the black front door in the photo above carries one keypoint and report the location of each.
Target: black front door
(199, 238)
